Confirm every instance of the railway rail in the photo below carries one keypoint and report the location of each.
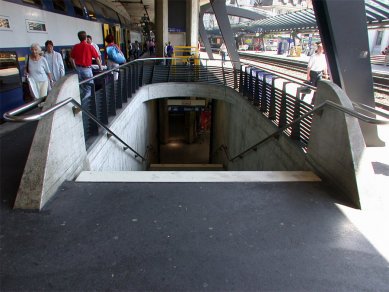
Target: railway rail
(291, 67)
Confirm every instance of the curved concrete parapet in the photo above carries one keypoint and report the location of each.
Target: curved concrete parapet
(336, 146)
(58, 149)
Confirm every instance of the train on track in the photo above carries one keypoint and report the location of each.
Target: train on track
(23, 22)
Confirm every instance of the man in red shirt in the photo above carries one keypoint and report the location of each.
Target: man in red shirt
(81, 58)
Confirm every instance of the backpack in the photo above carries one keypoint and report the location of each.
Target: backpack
(115, 55)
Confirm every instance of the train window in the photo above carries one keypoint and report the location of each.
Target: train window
(59, 5)
(33, 2)
(9, 71)
(91, 11)
(78, 9)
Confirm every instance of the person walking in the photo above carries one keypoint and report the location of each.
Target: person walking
(317, 64)
(169, 53)
(55, 61)
(81, 59)
(111, 62)
(223, 52)
(38, 70)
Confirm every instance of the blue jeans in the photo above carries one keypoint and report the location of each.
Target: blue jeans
(83, 74)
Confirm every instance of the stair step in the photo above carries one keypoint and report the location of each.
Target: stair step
(186, 166)
(197, 176)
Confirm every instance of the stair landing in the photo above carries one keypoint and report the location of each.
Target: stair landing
(197, 176)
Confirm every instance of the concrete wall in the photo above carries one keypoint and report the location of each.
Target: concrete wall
(240, 126)
(58, 149)
(336, 147)
(136, 125)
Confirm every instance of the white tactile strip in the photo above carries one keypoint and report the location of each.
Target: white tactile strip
(197, 176)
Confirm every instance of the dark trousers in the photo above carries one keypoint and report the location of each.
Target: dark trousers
(315, 76)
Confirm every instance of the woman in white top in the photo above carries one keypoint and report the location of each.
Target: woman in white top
(38, 69)
(55, 61)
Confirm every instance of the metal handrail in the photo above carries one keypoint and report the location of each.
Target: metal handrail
(11, 116)
(326, 103)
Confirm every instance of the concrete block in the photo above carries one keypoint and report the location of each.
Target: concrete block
(58, 149)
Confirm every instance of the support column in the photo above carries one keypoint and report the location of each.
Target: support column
(220, 10)
(204, 36)
(161, 23)
(347, 50)
(192, 22)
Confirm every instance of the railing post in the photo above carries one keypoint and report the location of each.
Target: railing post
(118, 86)
(256, 89)
(111, 95)
(264, 100)
(295, 130)
(136, 79)
(102, 110)
(224, 76)
(245, 83)
(251, 86)
(283, 111)
(272, 106)
(241, 79)
(140, 80)
(129, 81)
(235, 78)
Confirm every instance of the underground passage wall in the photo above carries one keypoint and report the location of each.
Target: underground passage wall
(239, 126)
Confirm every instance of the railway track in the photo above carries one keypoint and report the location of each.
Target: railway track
(291, 67)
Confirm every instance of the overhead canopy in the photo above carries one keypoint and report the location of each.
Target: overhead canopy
(377, 12)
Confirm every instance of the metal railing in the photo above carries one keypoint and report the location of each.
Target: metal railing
(101, 95)
(319, 108)
(12, 117)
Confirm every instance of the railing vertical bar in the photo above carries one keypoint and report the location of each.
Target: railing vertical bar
(272, 107)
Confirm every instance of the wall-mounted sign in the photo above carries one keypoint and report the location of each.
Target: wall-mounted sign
(177, 108)
(4, 23)
(35, 26)
(186, 102)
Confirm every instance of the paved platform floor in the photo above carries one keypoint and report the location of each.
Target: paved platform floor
(188, 237)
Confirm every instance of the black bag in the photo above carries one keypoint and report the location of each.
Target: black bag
(27, 96)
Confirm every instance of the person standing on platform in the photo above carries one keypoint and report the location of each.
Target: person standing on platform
(136, 50)
(55, 61)
(317, 64)
(223, 52)
(169, 53)
(89, 41)
(38, 69)
(81, 58)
